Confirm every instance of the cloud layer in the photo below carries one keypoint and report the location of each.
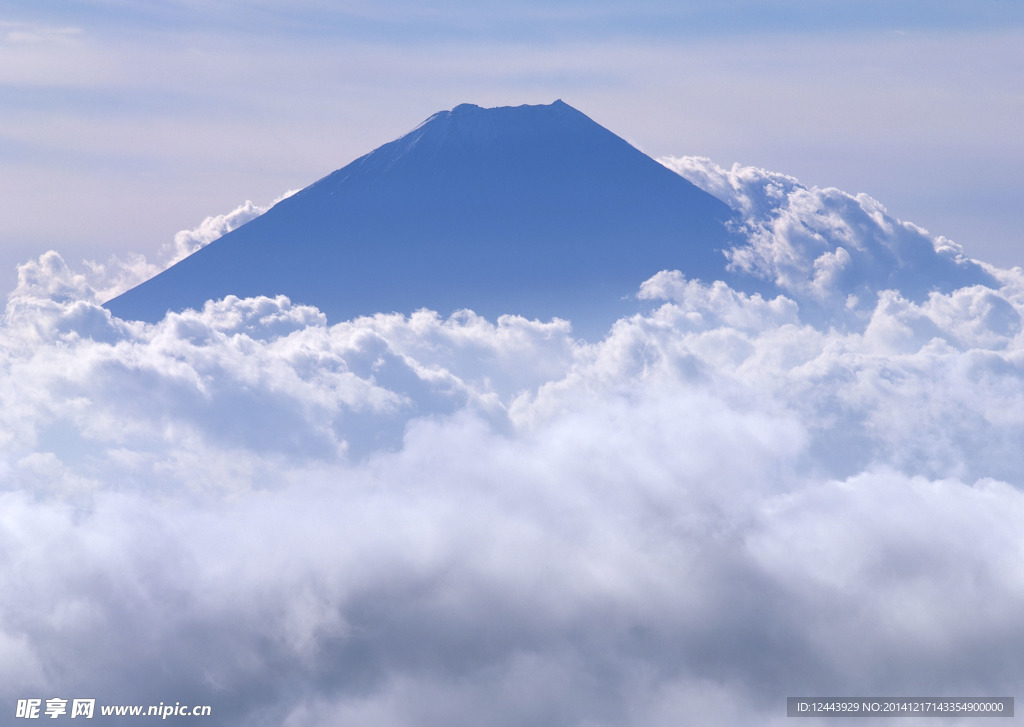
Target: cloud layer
(728, 500)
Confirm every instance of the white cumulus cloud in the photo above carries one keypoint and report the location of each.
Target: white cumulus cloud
(728, 500)
(826, 246)
(50, 278)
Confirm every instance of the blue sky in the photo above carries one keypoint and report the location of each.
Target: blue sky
(122, 123)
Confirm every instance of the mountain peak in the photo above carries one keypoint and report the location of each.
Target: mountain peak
(468, 125)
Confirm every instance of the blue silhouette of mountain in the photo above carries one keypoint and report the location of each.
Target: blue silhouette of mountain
(531, 210)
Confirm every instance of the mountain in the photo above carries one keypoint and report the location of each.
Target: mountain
(537, 211)
(533, 210)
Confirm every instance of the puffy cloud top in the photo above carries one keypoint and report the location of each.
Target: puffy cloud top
(826, 248)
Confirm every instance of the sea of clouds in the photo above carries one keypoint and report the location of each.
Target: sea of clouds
(729, 499)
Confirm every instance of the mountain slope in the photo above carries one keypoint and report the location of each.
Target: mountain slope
(535, 210)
